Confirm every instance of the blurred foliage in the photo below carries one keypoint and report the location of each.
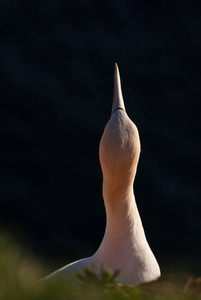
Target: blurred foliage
(19, 274)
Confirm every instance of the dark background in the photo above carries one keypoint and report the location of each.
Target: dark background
(56, 62)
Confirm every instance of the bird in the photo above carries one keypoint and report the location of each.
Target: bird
(124, 246)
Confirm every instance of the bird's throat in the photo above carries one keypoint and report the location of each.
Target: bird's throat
(122, 215)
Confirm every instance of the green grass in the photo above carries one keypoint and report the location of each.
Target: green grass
(19, 274)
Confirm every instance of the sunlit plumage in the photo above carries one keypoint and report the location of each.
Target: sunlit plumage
(124, 246)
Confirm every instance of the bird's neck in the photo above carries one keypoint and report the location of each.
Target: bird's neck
(123, 220)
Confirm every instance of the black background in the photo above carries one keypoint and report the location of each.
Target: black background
(57, 61)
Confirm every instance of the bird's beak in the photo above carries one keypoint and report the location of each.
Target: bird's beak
(118, 101)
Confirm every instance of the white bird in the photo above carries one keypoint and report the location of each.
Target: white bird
(124, 246)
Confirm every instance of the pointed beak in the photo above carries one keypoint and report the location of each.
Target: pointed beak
(118, 101)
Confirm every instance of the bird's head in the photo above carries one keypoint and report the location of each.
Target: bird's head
(120, 144)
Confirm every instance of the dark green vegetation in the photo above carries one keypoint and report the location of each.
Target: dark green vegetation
(19, 273)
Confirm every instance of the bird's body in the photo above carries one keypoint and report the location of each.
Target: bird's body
(124, 246)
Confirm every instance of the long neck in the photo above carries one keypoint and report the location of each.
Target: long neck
(122, 215)
(119, 154)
